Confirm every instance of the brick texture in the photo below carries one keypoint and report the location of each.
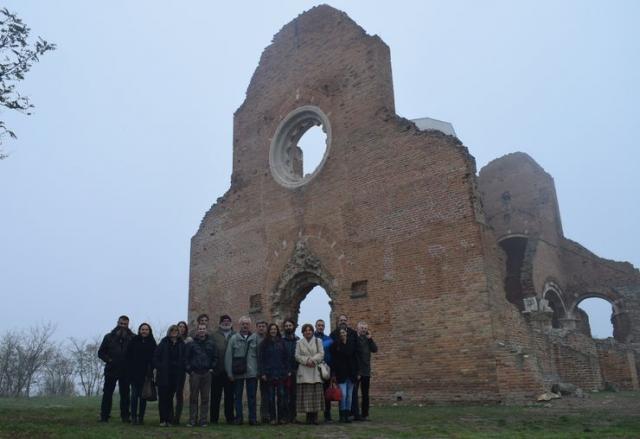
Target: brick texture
(392, 227)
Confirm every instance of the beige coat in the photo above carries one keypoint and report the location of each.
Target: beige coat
(305, 350)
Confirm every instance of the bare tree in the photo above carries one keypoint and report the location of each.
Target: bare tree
(57, 374)
(8, 362)
(87, 367)
(22, 356)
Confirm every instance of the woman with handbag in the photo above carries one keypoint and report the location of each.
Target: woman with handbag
(344, 370)
(139, 357)
(309, 354)
(273, 371)
(169, 362)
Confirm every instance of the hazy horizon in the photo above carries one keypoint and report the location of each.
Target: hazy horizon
(130, 142)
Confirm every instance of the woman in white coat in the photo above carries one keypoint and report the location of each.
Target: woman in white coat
(310, 396)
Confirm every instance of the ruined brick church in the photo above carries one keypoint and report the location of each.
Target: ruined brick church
(466, 279)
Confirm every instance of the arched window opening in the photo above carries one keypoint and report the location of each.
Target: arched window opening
(598, 314)
(514, 249)
(316, 305)
(312, 146)
(556, 305)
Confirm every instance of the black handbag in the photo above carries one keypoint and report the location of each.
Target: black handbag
(149, 392)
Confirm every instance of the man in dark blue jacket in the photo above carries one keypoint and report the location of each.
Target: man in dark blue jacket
(326, 344)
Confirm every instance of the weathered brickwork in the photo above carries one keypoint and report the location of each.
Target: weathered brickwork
(392, 226)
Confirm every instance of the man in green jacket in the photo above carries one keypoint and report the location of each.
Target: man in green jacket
(241, 365)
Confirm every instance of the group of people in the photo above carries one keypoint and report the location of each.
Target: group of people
(287, 369)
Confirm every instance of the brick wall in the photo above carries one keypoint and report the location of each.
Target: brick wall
(392, 226)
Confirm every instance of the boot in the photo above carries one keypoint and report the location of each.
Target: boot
(342, 416)
(308, 418)
(314, 418)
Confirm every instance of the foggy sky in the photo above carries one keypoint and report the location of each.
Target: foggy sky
(131, 139)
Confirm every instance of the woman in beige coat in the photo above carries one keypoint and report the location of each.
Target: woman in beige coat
(310, 396)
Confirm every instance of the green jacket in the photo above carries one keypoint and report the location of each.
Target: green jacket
(239, 347)
(220, 342)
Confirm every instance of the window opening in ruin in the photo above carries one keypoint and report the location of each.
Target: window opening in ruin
(514, 249)
(596, 318)
(556, 305)
(300, 146)
(359, 289)
(316, 305)
(313, 145)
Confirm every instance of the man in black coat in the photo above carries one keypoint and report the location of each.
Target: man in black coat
(364, 348)
(113, 352)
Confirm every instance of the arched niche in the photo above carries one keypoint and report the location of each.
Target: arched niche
(553, 296)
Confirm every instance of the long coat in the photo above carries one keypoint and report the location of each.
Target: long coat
(139, 359)
(272, 358)
(344, 362)
(309, 350)
(162, 362)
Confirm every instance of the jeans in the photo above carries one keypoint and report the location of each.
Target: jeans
(274, 390)
(347, 391)
(252, 387)
(199, 387)
(138, 405)
(107, 397)
(220, 383)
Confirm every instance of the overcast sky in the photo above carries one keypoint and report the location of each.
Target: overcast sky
(130, 142)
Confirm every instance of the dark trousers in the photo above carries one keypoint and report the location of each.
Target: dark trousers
(327, 403)
(290, 397)
(276, 400)
(354, 400)
(362, 386)
(138, 405)
(179, 399)
(165, 400)
(107, 397)
(200, 388)
(264, 402)
(221, 383)
(252, 387)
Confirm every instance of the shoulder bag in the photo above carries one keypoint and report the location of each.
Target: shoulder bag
(323, 368)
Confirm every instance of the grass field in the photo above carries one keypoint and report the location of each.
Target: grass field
(601, 416)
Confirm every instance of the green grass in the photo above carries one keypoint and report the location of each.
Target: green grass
(77, 417)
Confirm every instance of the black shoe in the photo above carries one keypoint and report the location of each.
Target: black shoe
(237, 422)
(103, 420)
(253, 422)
